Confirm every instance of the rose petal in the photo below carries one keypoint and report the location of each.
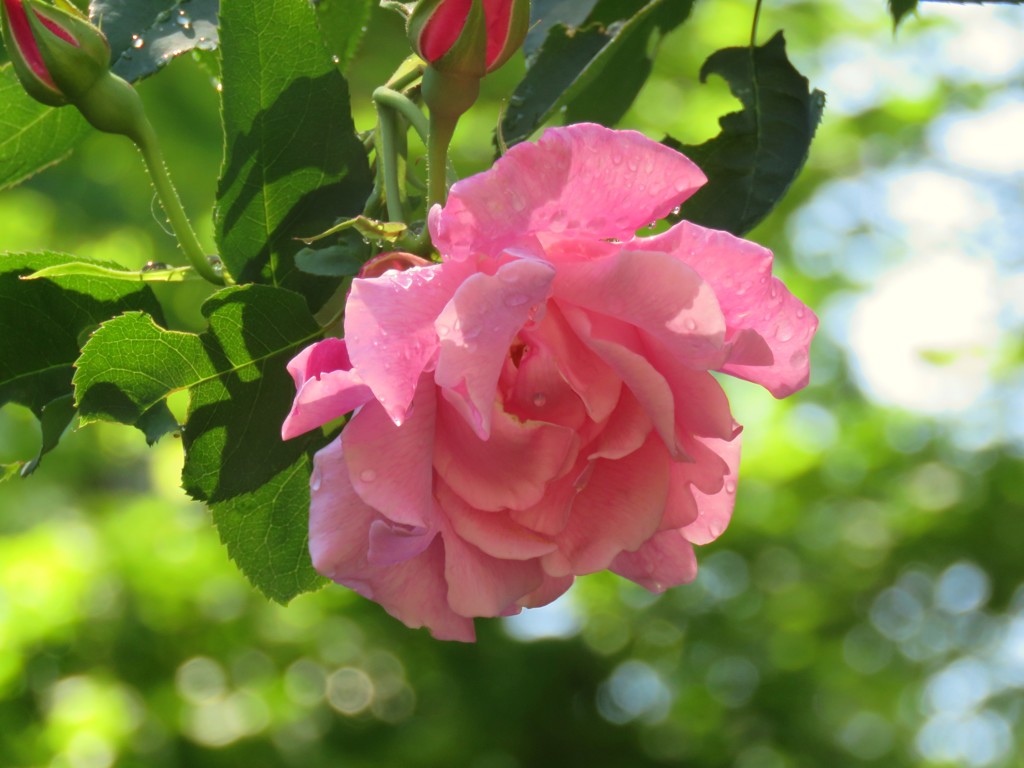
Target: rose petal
(327, 387)
(390, 543)
(389, 327)
(476, 328)
(493, 533)
(596, 383)
(714, 509)
(619, 509)
(665, 560)
(535, 390)
(617, 344)
(581, 180)
(389, 466)
(739, 272)
(550, 590)
(509, 470)
(656, 293)
(481, 585)
(413, 591)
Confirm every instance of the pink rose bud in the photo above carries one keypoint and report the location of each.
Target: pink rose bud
(57, 55)
(60, 58)
(468, 37)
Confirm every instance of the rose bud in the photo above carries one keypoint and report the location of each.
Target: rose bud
(468, 37)
(60, 58)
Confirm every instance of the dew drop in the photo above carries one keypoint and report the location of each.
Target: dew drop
(676, 211)
(368, 475)
(516, 299)
(183, 20)
(314, 479)
(137, 42)
(730, 487)
(336, 59)
(800, 313)
(691, 324)
(540, 399)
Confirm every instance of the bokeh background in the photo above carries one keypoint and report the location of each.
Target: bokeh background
(866, 606)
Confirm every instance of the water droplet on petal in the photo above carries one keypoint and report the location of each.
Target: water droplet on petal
(443, 330)
(314, 479)
(691, 324)
(730, 487)
(368, 475)
(540, 399)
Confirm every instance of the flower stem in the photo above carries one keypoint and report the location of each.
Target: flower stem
(442, 129)
(387, 157)
(753, 26)
(145, 139)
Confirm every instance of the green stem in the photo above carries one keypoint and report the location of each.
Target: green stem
(442, 129)
(387, 156)
(753, 27)
(145, 139)
(404, 106)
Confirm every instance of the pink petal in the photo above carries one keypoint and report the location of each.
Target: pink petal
(701, 406)
(581, 180)
(597, 385)
(654, 292)
(704, 471)
(714, 509)
(625, 431)
(617, 344)
(493, 532)
(413, 591)
(390, 467)
(481, 585)
(327, 387)
(476, 328)
(550, 590)
(550, 515)
(535, 390)
(390, 543)
(665, 560)
(509, 470)
(389, 327)
(752, 300)
(619, 509)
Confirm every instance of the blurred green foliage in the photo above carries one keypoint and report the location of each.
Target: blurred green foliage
(864, 608)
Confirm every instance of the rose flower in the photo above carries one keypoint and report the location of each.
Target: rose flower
(540, 405)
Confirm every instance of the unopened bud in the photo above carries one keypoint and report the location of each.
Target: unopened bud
(468, 37)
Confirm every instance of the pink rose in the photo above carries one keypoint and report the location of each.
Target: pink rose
(539, 405)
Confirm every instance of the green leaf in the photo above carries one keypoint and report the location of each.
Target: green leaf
(32, 135)
(900, 8)
(293, 163)
(239, 394)
(55, 419)
(178, 29)
(120, 19)
(42, 326)
(343, 24)
(545, 14)
(153, 273)
(762, 148)
(594, 71)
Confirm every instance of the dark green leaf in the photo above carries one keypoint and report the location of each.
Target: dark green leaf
(239, 394)
(178, 29)
(42, 325)
(343, 23)
(342, 260)
(32, 136)
(120, 19)
(545, 14)
(55, 419)
(593, 71)
(762, 148)
(293, 163)
(900, 8)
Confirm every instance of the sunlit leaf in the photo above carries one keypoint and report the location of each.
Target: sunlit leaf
(343, 24)
(32, 135)
(293, 163)
(239, 393)
(762, 148)
(42, 326)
